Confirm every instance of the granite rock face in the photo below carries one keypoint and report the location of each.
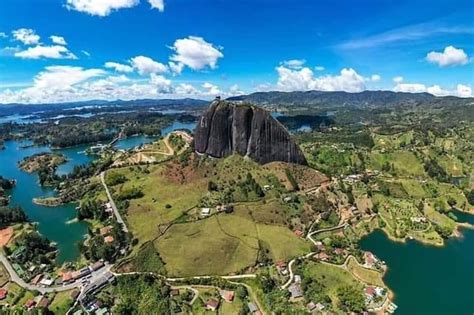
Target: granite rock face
(228, 128)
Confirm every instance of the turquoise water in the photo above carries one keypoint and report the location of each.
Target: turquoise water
(54, 222)
(428, 279)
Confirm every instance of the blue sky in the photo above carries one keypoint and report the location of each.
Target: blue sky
(109, 49)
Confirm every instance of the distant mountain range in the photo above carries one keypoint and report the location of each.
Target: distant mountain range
(336, 99)
(26, 109)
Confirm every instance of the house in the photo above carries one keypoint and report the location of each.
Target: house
(339, 251)
(212, 305)
(30, 304)
(252, 307)
(287, 199)
(297, 279)
(97, 265)
(311, 307)
(105, 230)
(295, 291)
(46, 282)
(227, 295)
(322, 256)
(3, 293)
(67, 276)
(205, 211)
(320, 307)
(370, 293)
(298, 233)
(369, 260)
(43, 302)
(320, 246)
(36, 279)
(281, 267)
(174, 292)
(109, 239)
(102, 311)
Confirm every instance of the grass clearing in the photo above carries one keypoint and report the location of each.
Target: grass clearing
(368, 276)
(61, 302)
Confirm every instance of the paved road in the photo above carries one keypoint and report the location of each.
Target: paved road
(118, 217)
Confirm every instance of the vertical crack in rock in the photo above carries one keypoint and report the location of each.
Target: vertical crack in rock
(228, 128)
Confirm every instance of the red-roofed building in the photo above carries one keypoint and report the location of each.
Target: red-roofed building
(298, 233)
(212, 305)
(370, 291)
(227, 295)
(36, 279)
(322, 256)
(30, 304)
(67, 276)
(3, 293)
(44, 302)
(108, 239)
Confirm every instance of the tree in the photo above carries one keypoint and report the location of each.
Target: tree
(351, 299)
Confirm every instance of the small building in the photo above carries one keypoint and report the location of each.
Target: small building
(298, 233)
(252, 307)
(102, 311)
(311, 307)
(205, 212)
(97, 265)
(369, 259)
(227, 295)
(370, 293)
(212, 305)
(105, 230)
(297, 279)
(174, 292)
(109, 239)
(36, 279)
(3, 293)
(46, 282)
(322, 256)
(295, 291)
(43, 302)
(30, 304)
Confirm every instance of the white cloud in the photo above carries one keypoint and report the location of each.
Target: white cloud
(464, 91)
(451, 56)
(3, 35)
(398, 79)
(26, 35)
(146, 65)
(9, 51)
(410, 87)
(319, 68)
(100, 7)
(294, 63)
(187, 89)
(375, 78)
(86, 53)
(211, 89)
(460, 91)
(161, 84)
(63, 77)
(157, 4)
(52, 52)
(235, 90)
(118, 67)
(176, 68)
(300, 80)
(195, 53)
(59, 40)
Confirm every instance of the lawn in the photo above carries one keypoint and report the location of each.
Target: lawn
(163, 200)
(404, 162)
(202, 248)
(367, 276)
(223, 244)
(332, 277)
(61, 302)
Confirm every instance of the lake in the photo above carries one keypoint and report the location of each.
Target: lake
(428, 279)
(57, 223)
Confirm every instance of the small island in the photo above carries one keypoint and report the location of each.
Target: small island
(45, 164)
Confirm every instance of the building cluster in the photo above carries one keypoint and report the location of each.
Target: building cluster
(205, 212)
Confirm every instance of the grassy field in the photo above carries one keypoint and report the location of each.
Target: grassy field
(404, 162)
(61, 302)
(223, 244)
(368, 276)
(163, 201)
(333, 278)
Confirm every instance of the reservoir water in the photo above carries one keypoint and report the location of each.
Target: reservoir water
(56, 223)
(428, 279)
